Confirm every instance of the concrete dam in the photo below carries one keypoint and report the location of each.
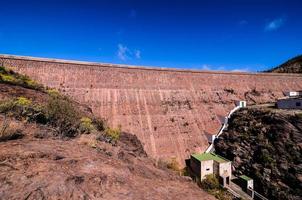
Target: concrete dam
(171, 111)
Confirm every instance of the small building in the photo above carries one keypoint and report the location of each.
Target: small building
(293, 93)
(241, 104)
(209, 163)
(247, 184)
(292, 100)
(290, 103)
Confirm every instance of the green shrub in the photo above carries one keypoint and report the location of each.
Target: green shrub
(23, 101)
(266, 159)
(61, 114)
(6, 106)
(10, 77)
(23, 109)
(2, 70)
(58, 112)
(212, 186)
(53, 92)
(99, 124)
(113, 133)
(210, 182)
(86, 125)
(185, 172)
(31, 83)
(221, 194)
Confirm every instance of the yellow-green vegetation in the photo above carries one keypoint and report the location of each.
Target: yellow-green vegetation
(61, 114)
(113, 133)
(8, 105)
(58, 111)
(53, 92)
(23, 101)
(7, 78)
(86, 125)
(23, 109)
(210, 182)
(10, 77)
(212, 186)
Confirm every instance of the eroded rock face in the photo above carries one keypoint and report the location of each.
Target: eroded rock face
(170, 111)
(266, 145)
(50, 168)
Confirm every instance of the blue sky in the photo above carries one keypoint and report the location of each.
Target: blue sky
(207, 34)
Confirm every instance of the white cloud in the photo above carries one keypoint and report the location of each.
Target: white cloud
(212, 68)
(206, 67)
(137, 54)
(241, 70)
(243, 22)
(223, 68)
(274, 24)
(124, 53)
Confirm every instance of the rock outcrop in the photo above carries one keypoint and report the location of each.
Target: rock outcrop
(266, 144)
(293, 65)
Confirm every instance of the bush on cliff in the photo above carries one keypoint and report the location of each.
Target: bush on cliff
(9, 132)
(23, 109)
(86, 125)
(174, 165)
(58, 112)
(212, 186)
(113, 133)
(10, 77)
(210, 182)
(61, 114)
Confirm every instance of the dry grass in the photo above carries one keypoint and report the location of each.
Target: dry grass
(9, 131)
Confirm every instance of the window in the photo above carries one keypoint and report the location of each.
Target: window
(208, 169)
(298, 104)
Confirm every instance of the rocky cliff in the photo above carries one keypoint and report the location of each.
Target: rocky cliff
(266, 144)
(293, 65)
(171, 111)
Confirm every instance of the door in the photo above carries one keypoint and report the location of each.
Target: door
(228, 180)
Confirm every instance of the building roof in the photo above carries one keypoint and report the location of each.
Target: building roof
(290, 98)
(209, 156)
(244, 177)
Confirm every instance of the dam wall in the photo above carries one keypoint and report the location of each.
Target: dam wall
(171, 111)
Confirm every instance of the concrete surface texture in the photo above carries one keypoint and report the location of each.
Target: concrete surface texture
(171, 111)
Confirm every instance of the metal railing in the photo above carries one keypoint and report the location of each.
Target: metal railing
(223, 127)
(254, 193)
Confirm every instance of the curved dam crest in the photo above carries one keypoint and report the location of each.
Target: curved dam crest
(171, 111)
